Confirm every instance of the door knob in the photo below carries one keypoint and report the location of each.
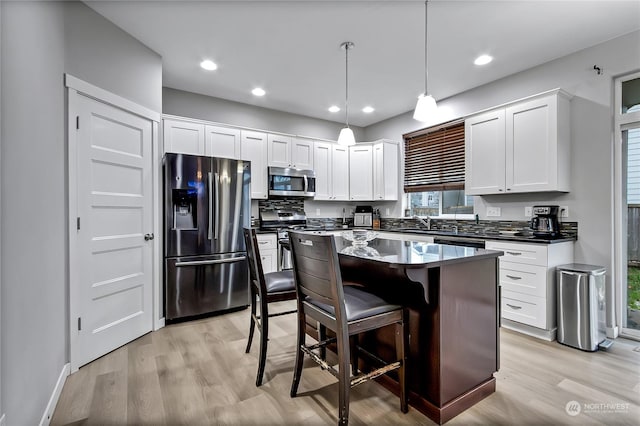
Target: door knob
(148, 237)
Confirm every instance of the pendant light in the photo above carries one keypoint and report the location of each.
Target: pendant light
(346, 134)
(426, 106)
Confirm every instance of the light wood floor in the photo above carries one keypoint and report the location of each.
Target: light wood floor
(197, 373)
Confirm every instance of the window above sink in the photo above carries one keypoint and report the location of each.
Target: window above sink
(440, 204)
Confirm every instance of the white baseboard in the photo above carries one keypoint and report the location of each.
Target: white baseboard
(46, 417)
(158, 324)
(2, 420)
(548, 335)
(613, 332)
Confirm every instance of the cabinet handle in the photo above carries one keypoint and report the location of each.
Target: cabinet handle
(263, 242)
(500, 190)
(514, 253)
(513, 277)
(508, 189)
(514, 306)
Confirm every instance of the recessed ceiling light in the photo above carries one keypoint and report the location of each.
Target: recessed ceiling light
(368, 109)
(208, 65)
(258, 92)
(483, 60)
(334, 108)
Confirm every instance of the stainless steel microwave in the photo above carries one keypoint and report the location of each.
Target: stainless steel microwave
(292, 182)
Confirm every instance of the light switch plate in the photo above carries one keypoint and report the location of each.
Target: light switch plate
(528, 211)
(493, 211)
(564, 211)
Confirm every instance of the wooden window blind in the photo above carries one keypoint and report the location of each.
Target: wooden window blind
(434, 158)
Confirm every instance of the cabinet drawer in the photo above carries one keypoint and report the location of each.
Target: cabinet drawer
(269, 259)
(267, 241)
(523, 308)
(532, 254)
(523, 278)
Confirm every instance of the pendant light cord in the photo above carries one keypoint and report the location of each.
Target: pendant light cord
(426, 47)
(346, 83)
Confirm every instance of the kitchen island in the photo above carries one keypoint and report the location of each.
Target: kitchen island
(452, 296)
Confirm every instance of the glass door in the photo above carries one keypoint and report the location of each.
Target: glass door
(628, 196)
(631, 183)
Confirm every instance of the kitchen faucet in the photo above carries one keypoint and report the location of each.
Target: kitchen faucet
(426, 223)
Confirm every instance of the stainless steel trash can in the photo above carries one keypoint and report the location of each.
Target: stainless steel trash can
(581, 305)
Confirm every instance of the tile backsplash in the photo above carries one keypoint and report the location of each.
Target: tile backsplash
(295, 204)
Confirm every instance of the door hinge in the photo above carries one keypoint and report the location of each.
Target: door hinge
(79, 323)
(77, 121)
(78, 223)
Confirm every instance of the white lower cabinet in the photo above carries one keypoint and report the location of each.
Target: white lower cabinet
(528, 285)
(268, 248)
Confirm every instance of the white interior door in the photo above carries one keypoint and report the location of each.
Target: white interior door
(110, 252)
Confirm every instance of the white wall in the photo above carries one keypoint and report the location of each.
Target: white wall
(590, 199)
(33, 208)
(187, 104)
(104, 55)
(40, 41)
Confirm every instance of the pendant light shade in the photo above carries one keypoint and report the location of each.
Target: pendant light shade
(346, 134)
(346, 137)
(426, 106)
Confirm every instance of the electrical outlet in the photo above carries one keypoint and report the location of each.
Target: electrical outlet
(388, 211)
(493, 211)
(528, 211)
(317, 212)
(564, 211)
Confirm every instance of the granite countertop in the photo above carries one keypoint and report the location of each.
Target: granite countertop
(412, 253)
(461, 236)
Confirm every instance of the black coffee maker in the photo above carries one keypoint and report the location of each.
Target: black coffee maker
(545, 222)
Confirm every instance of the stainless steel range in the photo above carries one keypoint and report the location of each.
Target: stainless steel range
(281, 221)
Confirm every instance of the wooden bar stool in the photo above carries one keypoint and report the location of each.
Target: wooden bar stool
(347, 311)
(265, 289)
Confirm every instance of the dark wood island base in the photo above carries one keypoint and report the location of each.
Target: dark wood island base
(453, 304)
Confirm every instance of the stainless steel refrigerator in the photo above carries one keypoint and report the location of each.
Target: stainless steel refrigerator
(207, 203)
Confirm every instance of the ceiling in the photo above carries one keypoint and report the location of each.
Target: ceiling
(292, 48)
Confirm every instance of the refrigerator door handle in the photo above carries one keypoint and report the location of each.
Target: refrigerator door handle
(210, 227)
(211, 262)
(216, 228)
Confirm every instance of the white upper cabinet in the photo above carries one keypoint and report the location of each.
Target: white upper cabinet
(484, 156)
(222, 142)
(302, 153)
(279, 150)
(523, 147)
(183, 137)
(385, 171)
(340, 172)
(361, 172)
(287, 151)
(322, 161)
(253, 147)
(331, 164)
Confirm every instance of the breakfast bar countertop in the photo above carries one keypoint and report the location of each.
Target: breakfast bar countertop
(409, 253)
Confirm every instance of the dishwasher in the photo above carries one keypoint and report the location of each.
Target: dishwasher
(459, 241)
